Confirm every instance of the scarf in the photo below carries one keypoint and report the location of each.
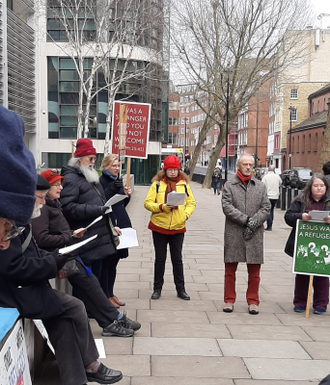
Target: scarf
(243, 178)
(170, 185)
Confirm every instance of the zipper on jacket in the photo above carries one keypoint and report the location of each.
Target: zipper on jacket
(169, 228)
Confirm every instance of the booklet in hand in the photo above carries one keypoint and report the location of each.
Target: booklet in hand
(175, 199)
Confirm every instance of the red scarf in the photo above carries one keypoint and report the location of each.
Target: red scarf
(170, 185)
(243, 178)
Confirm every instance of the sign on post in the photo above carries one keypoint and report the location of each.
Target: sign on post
(312, 248)
(137, 129)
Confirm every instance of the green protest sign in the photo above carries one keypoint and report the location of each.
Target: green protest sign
(312, 248)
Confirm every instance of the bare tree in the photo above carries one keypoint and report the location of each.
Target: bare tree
(253, 39)
(106, 35)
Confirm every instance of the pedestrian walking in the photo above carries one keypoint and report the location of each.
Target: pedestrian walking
(246, 207)
(315, 196)
(273, 183)
(216, 180)
(168, 223)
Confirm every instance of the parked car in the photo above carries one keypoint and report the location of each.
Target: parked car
(299, 176)
(285, 176)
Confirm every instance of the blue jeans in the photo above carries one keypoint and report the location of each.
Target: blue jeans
(271, 215)
(216, 187)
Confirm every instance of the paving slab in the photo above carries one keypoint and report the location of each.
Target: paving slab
(176, 346)
(263, 348)
(191, 329)
(285, 369)
(180, 381)
(192, 366)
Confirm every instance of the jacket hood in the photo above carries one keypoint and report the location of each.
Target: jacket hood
(68, 169)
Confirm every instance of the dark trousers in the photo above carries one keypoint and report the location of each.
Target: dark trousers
(252, 292)
(216, 187)
(87, 288)
(72, 339)
(109, 273)
(175, 242)
(271, 214)
(321, 291)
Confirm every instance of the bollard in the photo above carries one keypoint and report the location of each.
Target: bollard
(283, 198)
(289, 197)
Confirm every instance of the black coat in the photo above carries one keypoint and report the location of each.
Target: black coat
(119, 214)
(24, 280)
(295, 212)
(82, 202)
(51, 230)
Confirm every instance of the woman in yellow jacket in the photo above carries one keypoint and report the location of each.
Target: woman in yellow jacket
(168, 223)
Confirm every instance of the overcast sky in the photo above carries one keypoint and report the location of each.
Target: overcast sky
(321, 6)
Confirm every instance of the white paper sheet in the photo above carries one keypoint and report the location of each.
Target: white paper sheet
(318, 215)
(175, 199)
(115, 199)
(68, 249)
(128, 238)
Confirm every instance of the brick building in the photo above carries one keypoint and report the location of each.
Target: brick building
(306, 137)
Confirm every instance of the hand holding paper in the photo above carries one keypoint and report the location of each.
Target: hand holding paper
(175, 199)
(127, 238)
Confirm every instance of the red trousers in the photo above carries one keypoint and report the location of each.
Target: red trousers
(252, 292)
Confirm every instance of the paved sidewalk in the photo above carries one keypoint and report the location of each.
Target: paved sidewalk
(195, 342)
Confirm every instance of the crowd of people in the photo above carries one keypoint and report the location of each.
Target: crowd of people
(40, 214)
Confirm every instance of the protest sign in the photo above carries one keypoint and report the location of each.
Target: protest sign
(136, 131)
(14, 365)
(312, 248)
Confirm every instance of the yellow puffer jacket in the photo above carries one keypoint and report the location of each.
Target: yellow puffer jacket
(176, 218)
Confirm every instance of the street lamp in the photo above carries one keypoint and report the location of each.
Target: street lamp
(291, 109)
(227, 118)
(184, 155)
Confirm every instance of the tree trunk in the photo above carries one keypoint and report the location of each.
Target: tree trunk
(325, 151)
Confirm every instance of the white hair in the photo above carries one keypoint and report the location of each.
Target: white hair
(238, 161)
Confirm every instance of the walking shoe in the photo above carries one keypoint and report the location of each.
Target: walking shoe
(120, 303)
(183, 295)
(116, 329)
(104, 375)
(268, 229)
(298, 309)
(253, 309)
(127, 323)
(228, 308)
(155, 295)
(114, 303)
(319, 311)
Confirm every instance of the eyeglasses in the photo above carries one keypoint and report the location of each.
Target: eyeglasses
(91, 158)
(56, 185)
(115, 166)
(13, 232)
(172, 169)
(42, 197)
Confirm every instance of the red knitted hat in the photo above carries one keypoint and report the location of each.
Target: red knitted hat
(84, 147)
(172, 161)
(52, 176)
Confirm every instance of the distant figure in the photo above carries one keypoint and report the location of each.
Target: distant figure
(326, 171)
(273, 183)
(186, 170)
(216, 180)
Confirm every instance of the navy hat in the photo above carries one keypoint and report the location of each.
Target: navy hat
(17, 169)
(42, 183)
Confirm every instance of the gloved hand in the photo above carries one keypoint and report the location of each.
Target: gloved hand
(250, 229)
(119, 183)
(60, 259)
(166, 209)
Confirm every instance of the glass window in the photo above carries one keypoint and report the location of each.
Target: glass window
(294, 93)
(293, 114)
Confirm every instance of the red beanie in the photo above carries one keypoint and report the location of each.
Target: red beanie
(84, 147)
(52, 176)
(172, 161)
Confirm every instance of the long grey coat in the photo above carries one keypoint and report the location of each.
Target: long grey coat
(238, 203)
